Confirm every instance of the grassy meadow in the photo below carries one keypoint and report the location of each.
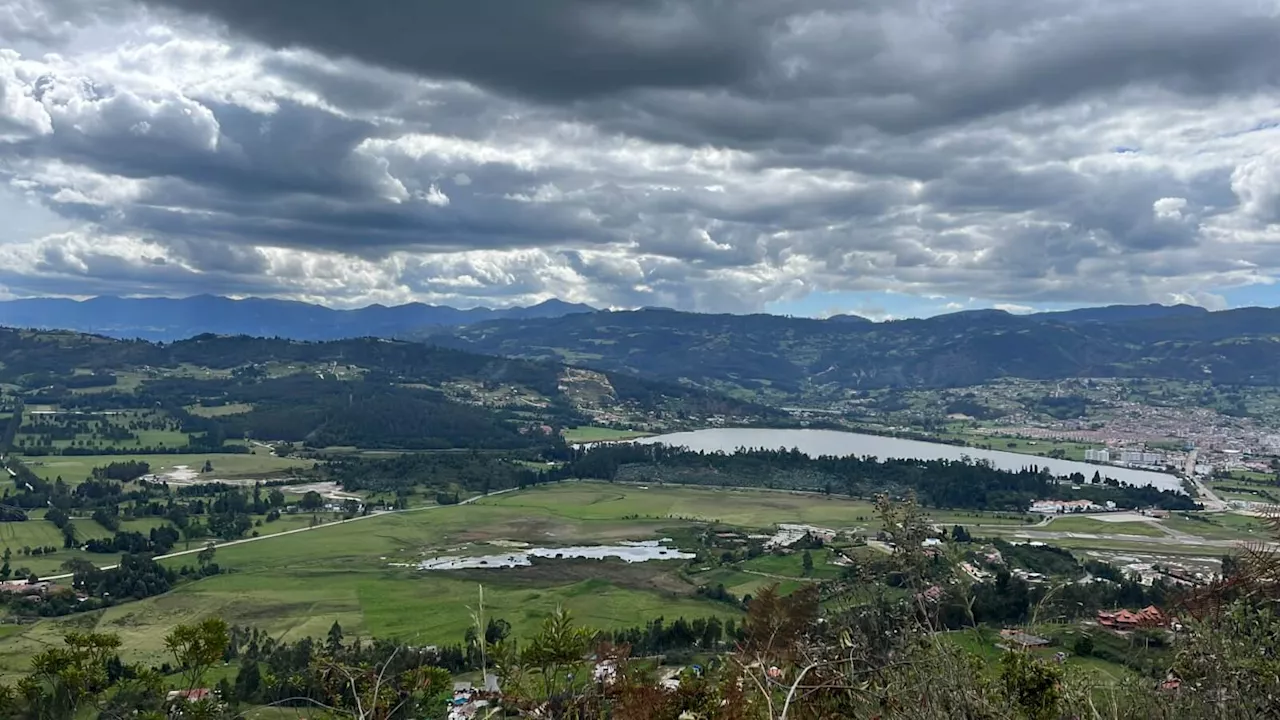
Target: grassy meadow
(1103, 527)
(74, 469)
(589, 433)
(361, 573)
(298, 585)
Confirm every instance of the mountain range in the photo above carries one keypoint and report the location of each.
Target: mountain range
(787, 360)
(169, 319)
(771, 358)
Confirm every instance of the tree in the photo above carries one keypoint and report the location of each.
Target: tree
(960, 534)
(196, 648)
(208, 467)
(311, 501)
(807, 563)
(248, 681)
(64, 679)
(560, 646)
(78, 566)
(204, 558)
(1032, 684)
(1229, 565)
(377, 692)
(334, 643)
(496, 630)
(1083, 645)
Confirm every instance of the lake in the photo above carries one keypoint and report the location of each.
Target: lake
(838, 443)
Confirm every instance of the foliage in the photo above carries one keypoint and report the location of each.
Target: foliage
(1033, 685)
(196, 648)
(937, 483)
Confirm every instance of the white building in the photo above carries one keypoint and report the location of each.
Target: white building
(1097, 455)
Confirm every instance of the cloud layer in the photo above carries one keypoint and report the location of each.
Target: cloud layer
(701, 154)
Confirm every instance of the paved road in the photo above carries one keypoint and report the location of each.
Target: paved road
(242, 541)
(1208, 498)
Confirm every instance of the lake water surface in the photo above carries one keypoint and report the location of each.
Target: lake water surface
(631, 552)
(838, 443)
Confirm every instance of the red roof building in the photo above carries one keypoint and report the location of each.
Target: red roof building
(190, 695)
(1150, 616)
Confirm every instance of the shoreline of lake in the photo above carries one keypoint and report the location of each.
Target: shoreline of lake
(844, 443)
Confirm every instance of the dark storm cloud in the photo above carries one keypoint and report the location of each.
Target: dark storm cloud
(292, 150)
(907, 67)
(709, 154)
(293, 177)
(556, 49)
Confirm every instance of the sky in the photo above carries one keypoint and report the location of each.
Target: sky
(807, 157)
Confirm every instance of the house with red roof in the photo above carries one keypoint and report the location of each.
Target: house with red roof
(1124, 620)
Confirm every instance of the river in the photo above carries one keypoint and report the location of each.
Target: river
(838, 443)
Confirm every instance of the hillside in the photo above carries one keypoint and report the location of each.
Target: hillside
(96, 395)
(168, 319)
(796, 359)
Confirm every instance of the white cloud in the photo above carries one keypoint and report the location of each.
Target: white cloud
(1256, 182)
(1206, 300)
(434, 196)
(857, 153)
(1169, 208)
(1014, 308)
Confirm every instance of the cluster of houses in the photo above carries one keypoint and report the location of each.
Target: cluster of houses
(1125, 620)
(23, 587)
(469, 702)
(1063, 507)
(789, 534)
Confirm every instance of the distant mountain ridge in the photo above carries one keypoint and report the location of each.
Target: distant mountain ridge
(785, 360)
(170, 319)
(1124, 313)
(768, 358)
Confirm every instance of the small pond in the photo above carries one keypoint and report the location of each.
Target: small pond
(631, 552)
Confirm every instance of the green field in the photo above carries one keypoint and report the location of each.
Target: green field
(219, 410)
(588, 433)
(360, 573)
(1102, 671)
(38, 532)
(793, 565)
(144, 437)
(1218, 526)
(1253, 476)
(1041, 447)
(746, 508)
(405, 605)
(1247, 490)
(1102, 527)
(74, 469)
(299, 584)
(742, 583)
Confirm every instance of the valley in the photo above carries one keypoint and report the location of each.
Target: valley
(379, 487)
(297, 585)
